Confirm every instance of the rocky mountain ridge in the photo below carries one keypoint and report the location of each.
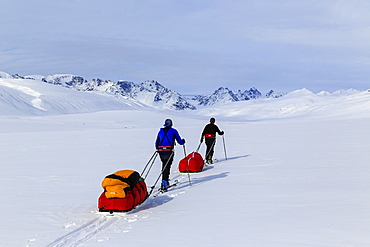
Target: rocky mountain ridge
(150, 92)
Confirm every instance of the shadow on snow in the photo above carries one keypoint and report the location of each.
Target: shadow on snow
(152, 202)
(208, 167)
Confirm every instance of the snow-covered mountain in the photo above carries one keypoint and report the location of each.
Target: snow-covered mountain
(295, 104)
(151, 93)
(5, 75)
(274, 94)
(225, 95)
(35, 98)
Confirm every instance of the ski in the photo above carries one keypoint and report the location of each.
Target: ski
(207, 163)
(160, 191)
(170, 186)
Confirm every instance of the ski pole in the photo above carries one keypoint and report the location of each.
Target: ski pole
(154, 154)
(187, 165)
(184, 150)
(198, 147)
(223, 139)
(148, 162)
(189, 177)
(165, 166)
(150, 168)
(209, 151)
(188, 174)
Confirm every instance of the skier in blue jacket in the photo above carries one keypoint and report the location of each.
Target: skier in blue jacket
(165, 144)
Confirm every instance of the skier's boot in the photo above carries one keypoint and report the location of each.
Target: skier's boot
(209, 159)
(164, 185)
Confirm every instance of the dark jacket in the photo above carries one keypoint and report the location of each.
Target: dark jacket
(210, 131)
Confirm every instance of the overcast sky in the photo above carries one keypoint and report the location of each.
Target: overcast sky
(192, 46)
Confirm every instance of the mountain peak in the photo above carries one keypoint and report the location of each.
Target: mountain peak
(150, 92)
(224, 95)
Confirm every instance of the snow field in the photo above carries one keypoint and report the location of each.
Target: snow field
(297, 179)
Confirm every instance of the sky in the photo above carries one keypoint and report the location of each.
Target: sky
(192, 47)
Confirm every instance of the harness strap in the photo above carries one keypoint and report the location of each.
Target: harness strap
(165, 136)
(210, 136)
(165, 148)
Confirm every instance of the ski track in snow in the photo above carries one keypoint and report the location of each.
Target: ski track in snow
(35, 102)
(99, 224)
(84, 232)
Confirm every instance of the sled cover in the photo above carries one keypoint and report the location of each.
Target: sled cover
(123, 191)
(193, 162)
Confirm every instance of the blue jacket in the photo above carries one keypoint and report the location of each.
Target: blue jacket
(166, 140)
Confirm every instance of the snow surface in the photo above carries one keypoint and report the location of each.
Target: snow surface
(296, 174)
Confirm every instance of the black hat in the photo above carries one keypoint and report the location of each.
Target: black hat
(168, 123)
(212, 120)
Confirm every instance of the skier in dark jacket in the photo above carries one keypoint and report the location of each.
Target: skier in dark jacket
(165, 144)
(209, 133)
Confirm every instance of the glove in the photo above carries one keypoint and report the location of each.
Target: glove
(183, 140)
(222, 132)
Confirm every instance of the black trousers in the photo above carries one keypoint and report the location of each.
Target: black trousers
(210, 143)
(167, 160)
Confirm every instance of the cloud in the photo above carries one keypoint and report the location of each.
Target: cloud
(193, 45)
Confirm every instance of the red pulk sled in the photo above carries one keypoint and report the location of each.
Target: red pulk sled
(193, 162)
(123, 191)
